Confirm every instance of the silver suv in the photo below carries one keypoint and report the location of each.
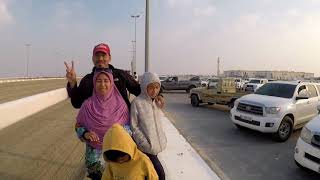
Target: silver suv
(277, 108)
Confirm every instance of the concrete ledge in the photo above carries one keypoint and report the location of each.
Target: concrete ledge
(14, 111)
(180, 160)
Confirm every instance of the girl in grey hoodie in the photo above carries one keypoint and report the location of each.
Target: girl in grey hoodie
(146, 127)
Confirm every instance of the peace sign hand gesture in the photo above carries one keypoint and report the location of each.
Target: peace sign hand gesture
(71, 74)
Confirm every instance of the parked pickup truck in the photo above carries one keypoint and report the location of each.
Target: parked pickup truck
(173, 83)
(222, 92)
(277, 107)
(255, 84)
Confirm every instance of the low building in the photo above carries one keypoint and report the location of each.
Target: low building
(277, 75)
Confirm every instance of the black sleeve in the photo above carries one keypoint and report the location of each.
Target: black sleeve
(79, 94)
(132, 85)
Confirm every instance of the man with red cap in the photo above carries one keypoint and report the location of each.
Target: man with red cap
(101, 59)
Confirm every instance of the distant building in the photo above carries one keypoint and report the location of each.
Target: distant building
(277, 75)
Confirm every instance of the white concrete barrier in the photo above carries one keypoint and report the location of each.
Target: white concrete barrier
(14, 111)
(180, 160)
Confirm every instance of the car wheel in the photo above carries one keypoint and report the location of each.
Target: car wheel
(284, 130)
(231, 103)
(189, 88)
(194, 100)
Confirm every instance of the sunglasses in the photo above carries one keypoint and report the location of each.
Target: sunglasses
(103, 69)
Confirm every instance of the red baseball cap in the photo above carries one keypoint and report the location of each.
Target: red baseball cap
(101, 48)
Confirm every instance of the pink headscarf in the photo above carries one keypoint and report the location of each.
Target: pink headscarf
(98, 113)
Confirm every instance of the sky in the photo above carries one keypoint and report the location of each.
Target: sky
(186, 36)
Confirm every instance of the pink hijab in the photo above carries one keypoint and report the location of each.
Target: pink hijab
(99, 112)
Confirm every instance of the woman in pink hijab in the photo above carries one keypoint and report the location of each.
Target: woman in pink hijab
(97, 114)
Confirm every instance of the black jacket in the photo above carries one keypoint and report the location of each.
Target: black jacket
(122, 80)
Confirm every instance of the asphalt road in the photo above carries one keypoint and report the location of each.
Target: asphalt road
(16, 90)
(234, 154)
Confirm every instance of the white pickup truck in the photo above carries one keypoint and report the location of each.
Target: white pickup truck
(255, 84)
(277, 107)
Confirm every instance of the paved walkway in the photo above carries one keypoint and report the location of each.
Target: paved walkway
(43, 146)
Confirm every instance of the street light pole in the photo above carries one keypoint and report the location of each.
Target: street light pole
(218, 67)
(135, 43)
(147, 38)
(28, 56)
(132, 61)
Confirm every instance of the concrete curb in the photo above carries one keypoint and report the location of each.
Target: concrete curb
(179, 159)
(14, 111)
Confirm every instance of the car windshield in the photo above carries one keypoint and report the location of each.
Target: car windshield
(277, 90)
(195, 79)
(162, 77)
(255, 81)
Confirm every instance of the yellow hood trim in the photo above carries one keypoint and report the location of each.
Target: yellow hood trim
(117, 138)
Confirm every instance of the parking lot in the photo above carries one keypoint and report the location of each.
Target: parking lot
(233, 153)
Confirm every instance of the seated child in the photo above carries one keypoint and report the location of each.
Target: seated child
(123, 160)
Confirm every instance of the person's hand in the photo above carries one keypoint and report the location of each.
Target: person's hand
(159, 101)
(91, 136)
(71, 74)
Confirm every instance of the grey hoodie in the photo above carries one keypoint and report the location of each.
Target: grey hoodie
(146, 127)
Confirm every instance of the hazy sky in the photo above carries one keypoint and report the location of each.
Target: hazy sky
(186, 36)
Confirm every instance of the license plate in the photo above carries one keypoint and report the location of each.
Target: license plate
(246, 118)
